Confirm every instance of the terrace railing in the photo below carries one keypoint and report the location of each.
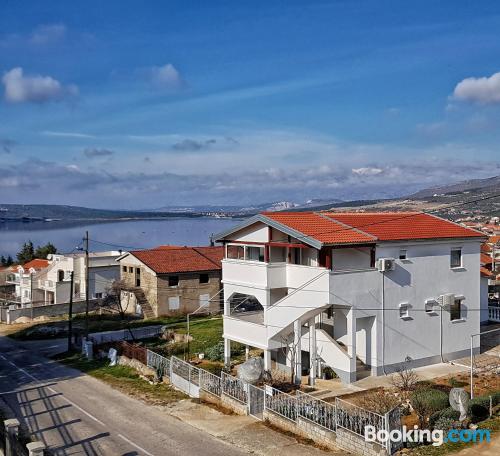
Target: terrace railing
(355, 419)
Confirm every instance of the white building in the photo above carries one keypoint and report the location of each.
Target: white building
(53, 283)
(24, 280)
(353, 291)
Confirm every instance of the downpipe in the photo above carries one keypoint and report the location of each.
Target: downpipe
(383, 323)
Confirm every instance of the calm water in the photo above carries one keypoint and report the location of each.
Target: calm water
(126, 235)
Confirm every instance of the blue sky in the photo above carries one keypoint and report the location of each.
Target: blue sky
(144, 104)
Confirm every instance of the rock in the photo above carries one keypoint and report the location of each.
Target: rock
(251, 371)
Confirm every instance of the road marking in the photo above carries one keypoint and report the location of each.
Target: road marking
(52, 390)
(134, 445)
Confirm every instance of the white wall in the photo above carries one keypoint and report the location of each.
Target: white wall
(351, 258)
(425, 274)
(258, 232)
(484, 299)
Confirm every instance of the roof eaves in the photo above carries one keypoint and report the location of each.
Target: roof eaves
(484, 235)
(274, 224)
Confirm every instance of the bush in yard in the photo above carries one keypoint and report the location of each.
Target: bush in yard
(380, 402)
(447, 413)
(216, 352)
(445, 424)
(425, 402)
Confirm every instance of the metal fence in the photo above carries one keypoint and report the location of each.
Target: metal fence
(234, 387)
(159, 363)
(319, 412)
(281, 403)
(355, 419)
(210, 383)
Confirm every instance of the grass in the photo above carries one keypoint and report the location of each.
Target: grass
(124, 379)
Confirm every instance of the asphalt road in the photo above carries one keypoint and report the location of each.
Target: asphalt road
(75, 414)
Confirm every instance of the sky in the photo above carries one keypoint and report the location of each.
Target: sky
(144, 104)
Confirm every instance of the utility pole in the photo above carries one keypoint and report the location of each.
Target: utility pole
(70, 317)
(86, 243)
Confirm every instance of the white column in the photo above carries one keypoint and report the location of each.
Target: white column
(247, 352)
(267, 360)
(227, 352)
(35, 448)
(312, 351)
(297, 335)
(351, 340)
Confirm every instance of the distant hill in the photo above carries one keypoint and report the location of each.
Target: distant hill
(488, 184)
(34, 212)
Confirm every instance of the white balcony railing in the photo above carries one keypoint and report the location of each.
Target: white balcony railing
(494, 314)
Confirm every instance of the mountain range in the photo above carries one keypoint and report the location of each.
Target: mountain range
(448, 200)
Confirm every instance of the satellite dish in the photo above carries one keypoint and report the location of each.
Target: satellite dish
(459, 400)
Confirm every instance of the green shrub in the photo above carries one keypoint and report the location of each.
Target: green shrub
(425, 402)
(454, 383)
(216, 352)
(445, 424)
(447, 413)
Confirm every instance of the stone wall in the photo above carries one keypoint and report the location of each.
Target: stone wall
(234, 405)
(189, 291)
(356, 444)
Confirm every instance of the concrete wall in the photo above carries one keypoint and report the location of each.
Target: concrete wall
(353, 258)
(50, 310)
(484, 300)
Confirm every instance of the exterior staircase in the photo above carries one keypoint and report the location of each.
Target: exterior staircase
(141, 299)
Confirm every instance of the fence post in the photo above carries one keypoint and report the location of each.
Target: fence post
(387, 427)
(35, 448)
(11, 431)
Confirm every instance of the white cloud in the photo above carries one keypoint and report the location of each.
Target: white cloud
(483, 90)
(46, 34)
(367, 171)
(166, 77)
(67, 134)
(36, 89)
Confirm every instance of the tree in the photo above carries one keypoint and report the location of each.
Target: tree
(10, 261)
(405, 378)
(113, 302)
(289, 349)
(3, 261)
(27, 253)
(45, 250)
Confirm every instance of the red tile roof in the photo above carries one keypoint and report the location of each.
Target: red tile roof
(320, 227)
(37, 264)
(174, 259)
(486, 259)
(366, 227)
(486, 273)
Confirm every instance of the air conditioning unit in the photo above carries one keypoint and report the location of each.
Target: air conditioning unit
(386, 264)
(447, 300)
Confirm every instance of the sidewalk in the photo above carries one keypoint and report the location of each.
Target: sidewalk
(244, 432)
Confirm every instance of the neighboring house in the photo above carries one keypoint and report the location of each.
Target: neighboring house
(353, 291)
(53, 284)
(24, 278)
(170, 280)
(7, 290)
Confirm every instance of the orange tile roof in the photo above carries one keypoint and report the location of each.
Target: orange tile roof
(172, 259)
(365, 227)
(486, 272)
(486, 259)
(319, 227)
(37, 264)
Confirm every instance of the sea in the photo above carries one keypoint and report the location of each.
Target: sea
(67, 236)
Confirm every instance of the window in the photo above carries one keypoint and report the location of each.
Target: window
(204, 300)
(173, 281)
(255, 253)
(130, 269)
(138, 271)
(60, 275)
(235, 252)
(124, 268)
(98, 295)
(295, 256)
(404, 310)
(403, 254)
(173, 303)
(429, 306)
(456, 310)
(456, 258)
(204, 278)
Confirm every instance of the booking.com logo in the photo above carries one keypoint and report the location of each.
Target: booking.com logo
(415, 435)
